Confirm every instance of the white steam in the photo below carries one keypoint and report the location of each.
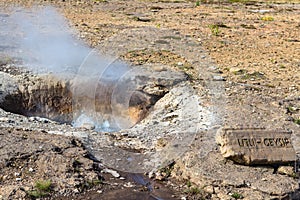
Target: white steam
(41, 39)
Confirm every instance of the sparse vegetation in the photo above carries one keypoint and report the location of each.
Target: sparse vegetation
(188, 183)
(140, 57)
(291, 109)
(43, 185)
(254, 75)
(193, 191)
(267, 18)
(166, 171)
(214, 28)
(92, 183)
(42, 188)
(237, 195)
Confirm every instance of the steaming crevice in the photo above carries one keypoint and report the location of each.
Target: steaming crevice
(73, 83)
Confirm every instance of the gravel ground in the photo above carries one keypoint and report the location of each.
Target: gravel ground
(242, 60)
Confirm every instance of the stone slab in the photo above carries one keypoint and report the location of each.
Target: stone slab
(256, 146)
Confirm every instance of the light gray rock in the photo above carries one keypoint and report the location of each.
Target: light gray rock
(256, 146)
(8, 86)
(286, 170)
(112, 172)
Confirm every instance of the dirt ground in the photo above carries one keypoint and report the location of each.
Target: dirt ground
(252, 46)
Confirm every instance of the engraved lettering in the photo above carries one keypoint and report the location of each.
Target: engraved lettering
(271, 141)
(287, 141)
(240, 141)
(258, 146)
(283, 142)
(258, 141)
(266, 142)
(246, 142)
(252, 142)
(277, 143)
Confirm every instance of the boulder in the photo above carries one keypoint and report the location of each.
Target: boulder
(256, 146)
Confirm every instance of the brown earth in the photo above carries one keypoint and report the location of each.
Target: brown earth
(253, 47)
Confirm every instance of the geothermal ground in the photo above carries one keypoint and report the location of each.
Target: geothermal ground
(196, 67)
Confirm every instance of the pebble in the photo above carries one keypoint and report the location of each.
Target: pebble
(180, 64)
(31, 169)
(17, 174)
(6, 119)
(260, 11)
(88, 126)
(112, 172)
(219, 78)
(209, 189)
(143, 19)
(235, 70)
(128, 185)
(286, 170)
(18, 179)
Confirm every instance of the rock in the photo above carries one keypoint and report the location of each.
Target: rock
(286, 170)
(159, 68)
(76, 191)
(209, 189)
(17, 174)
(256, 146)
(260, 11)
(144, 19)
(112, 172)
(219, 78)
(6, 120)
(88, 126)
(236, 70)
(180, 64)
(224, 196)
(128, 185)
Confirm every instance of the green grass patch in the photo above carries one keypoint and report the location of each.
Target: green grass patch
(297, 121)
(42, 188)
(43, 185)
(214, 28)
(237, 195)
